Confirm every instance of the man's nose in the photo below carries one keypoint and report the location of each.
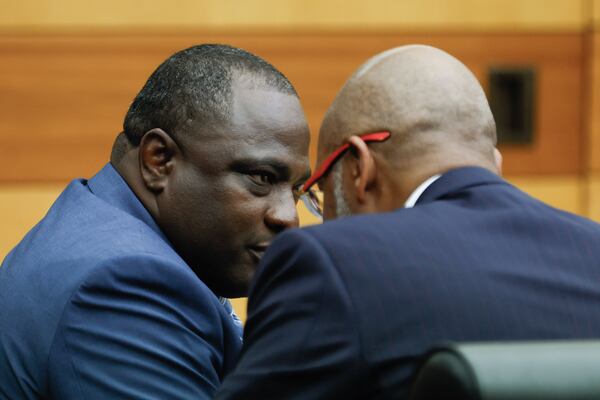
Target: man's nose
(282, 213)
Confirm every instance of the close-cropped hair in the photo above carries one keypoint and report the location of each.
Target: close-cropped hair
(195, 85)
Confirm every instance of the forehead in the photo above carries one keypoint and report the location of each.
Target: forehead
(263, 123)
(266, 112)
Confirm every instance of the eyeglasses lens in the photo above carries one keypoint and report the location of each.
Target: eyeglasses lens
(313, 203)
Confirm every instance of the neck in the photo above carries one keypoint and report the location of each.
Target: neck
(128, 167)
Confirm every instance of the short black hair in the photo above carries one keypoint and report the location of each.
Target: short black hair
(195, 84)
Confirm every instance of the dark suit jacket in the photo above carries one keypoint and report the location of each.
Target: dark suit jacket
(344, 310)
(96, 304)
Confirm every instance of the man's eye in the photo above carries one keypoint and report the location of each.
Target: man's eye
(262, 178)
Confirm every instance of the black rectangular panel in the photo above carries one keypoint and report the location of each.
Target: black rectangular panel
(511, 96)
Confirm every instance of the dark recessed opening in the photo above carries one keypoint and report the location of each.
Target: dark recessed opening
(511, 96)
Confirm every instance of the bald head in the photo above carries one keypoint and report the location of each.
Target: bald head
(431, 103)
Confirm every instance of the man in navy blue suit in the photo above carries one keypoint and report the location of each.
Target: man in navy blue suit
(119, 292)
(443, 249)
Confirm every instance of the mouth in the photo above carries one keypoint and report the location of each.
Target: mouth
(257, 251)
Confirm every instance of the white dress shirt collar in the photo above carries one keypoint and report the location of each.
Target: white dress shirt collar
(414, 196)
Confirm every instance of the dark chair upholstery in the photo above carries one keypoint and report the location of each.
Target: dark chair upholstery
(554, 370)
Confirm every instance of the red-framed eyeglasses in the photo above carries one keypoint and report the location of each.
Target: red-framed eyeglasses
(310, 198)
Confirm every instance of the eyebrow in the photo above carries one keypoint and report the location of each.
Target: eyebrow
(282, 169)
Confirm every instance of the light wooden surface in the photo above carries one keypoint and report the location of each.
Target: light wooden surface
(21, 207)
(240, 305)
(555, 15)
(594, 197)
(593, 108)
(63, 97)
(567, 192)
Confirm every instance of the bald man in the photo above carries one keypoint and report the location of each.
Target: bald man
(443, 249)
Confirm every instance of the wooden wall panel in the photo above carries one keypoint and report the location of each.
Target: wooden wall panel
(594, 197)
(349, 14)
(593, 142)
(22, 206)
(240, 306)
(567, 192)
(63, 97)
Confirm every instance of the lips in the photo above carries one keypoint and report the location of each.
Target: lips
(257, 251)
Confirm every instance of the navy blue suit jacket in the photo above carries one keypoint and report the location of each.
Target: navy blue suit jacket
(343, 310)
(96, 304)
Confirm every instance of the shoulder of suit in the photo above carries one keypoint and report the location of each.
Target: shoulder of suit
(365, 222)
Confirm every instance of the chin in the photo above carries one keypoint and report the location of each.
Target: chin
(235, 291)
(237, 283)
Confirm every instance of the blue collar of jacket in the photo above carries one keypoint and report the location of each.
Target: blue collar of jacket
(456, 180)
(109, 186)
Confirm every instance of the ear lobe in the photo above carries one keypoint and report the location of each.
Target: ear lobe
(365, 170)
(156, 156)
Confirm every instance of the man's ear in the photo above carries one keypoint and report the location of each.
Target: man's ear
(156, 156)
(364, 171)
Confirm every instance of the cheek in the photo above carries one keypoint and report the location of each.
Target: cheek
(235, 209)
(193, 203)
(221, 213)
